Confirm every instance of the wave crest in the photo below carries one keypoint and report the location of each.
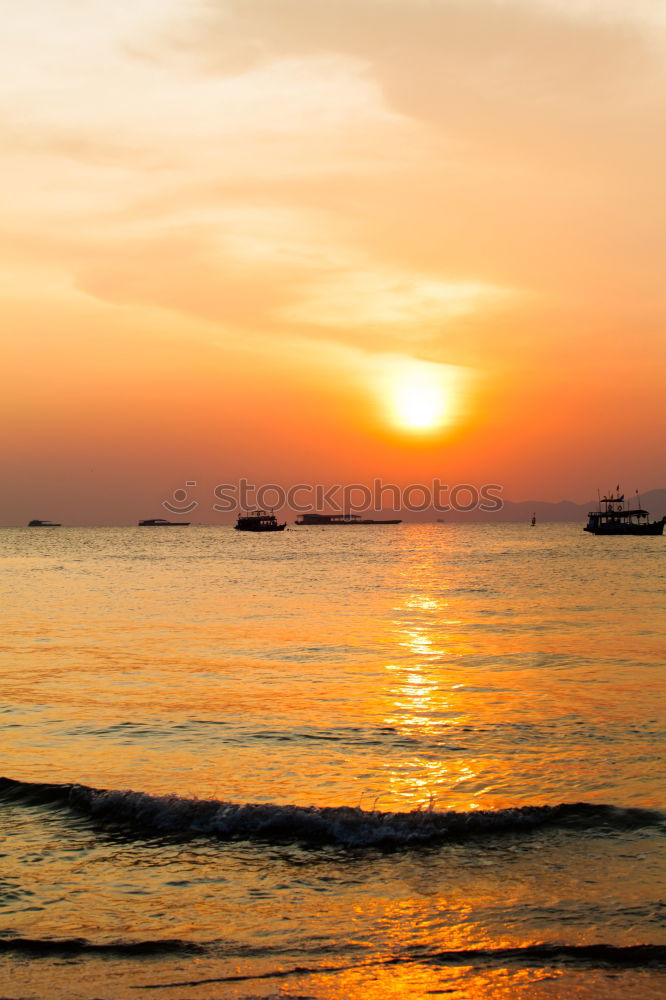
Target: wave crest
(343, 825)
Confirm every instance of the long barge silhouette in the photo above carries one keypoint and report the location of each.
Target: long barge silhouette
(342, 519)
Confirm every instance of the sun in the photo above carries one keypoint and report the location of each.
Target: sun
(420, 396)
(419, 404)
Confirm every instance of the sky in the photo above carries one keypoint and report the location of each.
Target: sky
(329, 241)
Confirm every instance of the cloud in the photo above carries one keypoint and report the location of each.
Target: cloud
(541, 130)
(351, 170)
(548, 88)
(378, 301)
(474, 67)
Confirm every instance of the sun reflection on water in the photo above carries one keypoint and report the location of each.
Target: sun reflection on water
(426, 702)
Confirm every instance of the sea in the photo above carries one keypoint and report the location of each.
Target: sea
(338, 763)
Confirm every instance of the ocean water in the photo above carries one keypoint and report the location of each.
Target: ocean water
(334, 763)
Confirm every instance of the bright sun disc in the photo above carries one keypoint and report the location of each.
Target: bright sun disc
(420, 396)
(419, 403)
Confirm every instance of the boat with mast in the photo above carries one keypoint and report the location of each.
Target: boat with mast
(259, 520)
(615, 517)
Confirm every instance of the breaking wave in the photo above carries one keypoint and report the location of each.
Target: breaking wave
(644, 956)
(532, 955)
(77, 946)
(341, 825)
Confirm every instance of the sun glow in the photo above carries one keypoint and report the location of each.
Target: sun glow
(419, 404)
(421, 396)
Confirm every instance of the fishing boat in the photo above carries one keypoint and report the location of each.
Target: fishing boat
(43, 524)
(343, 519)
(259, 520)
(615, 517)
(160, 522)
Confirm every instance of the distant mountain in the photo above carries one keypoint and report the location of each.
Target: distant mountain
(654, 501)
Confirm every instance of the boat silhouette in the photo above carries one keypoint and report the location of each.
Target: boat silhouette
(341, 519)
(160, 522)
(615, 517)
(259, 520)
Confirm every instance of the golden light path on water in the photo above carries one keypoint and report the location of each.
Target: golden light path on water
(424, 706)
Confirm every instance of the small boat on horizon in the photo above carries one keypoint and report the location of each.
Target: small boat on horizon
(319, 519)
(615, 517)
(160, 522)
(43, 524)
(259, 520)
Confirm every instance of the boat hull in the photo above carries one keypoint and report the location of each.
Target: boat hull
(164, 524)
(370, 521)
(653, 528)
(255, 528)
(342, 522)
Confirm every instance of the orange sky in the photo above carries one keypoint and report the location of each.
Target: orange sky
(229, 227)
